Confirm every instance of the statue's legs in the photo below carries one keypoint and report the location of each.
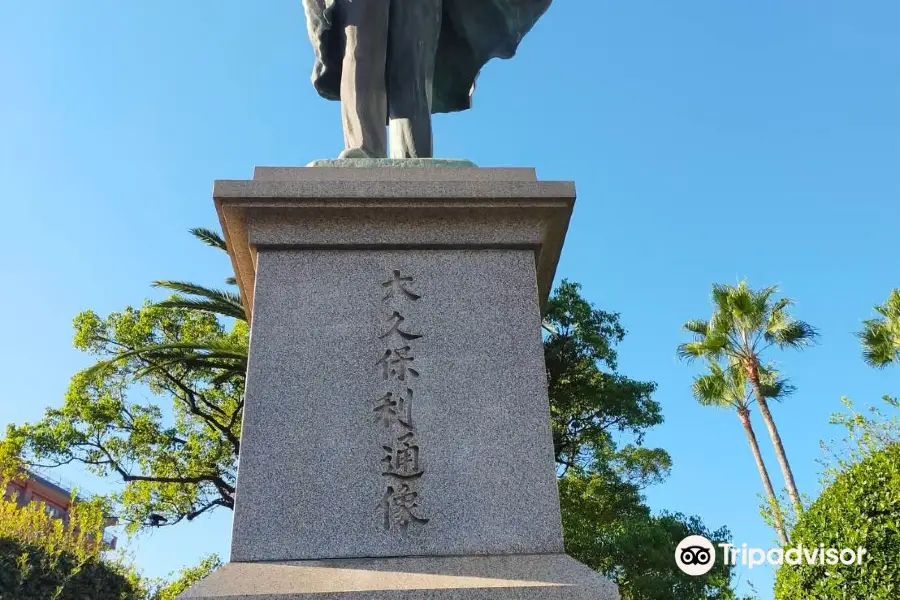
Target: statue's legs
(415, 26)
(363, 90)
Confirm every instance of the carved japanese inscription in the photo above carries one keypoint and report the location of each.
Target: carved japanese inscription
(400, 463)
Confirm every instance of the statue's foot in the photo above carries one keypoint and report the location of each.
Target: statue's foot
(354, 153)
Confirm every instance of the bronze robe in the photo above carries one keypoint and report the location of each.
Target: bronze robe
(472, 33)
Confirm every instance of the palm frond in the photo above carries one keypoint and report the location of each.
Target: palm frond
(709, 390)
(721, 324)
(795, 334)
(712, 347)
(227, 375)
(741, 299)
(697, 326)
(761, 298)
(890, 310)
(186, 287)
(208, 362)
(232, 351)
(721, 387)
(748, 308)
(772, 385)
(217, 301)
(226, 309)
(879, 347)
(691, 351)
(209, 237)
(737, 381)
(782, 304)
(720, 294)
(762, 307)
(880, 337)
(776, 323)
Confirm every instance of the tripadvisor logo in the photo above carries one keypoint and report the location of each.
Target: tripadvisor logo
(696, 555)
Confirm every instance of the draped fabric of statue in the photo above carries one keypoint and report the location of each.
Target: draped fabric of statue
(472, 33)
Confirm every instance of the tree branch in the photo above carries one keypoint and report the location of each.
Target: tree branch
(217, 502)
(214, 479)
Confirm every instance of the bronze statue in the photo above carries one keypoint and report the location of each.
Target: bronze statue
(398, 61)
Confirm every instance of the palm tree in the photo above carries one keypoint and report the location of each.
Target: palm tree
(745, 323)
(881, 337)
(727, 388)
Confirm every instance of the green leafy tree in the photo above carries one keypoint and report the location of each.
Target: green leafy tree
(745, 324)
(592, 405)
(608, 527)
(44, 558)
(176, 464)
(860, 509)
(881, 336)
(643, 555)
(727, 388)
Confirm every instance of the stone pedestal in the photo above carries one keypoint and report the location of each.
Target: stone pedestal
(396, 439)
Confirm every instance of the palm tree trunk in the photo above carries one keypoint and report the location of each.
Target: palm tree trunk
(753, 375)
(744, 416)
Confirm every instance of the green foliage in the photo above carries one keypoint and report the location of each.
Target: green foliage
(644, 553)
(868, 431)
(177, 463)
(42, 558)
(81, 536)
(11, 455)
(31, 572)
(880, 337)
(860, 509)
(592, 405)
(781, 507)
(186, 578)
(210, 238)
(608, 527)
(597, 508)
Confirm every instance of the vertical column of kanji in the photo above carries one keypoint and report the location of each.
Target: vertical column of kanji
(399, 504)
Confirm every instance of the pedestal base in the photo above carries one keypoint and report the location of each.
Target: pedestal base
(511, 577)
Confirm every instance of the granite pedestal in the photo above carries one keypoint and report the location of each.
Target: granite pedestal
(396, 437)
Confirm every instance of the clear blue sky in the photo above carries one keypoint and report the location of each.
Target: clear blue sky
(709, 141)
